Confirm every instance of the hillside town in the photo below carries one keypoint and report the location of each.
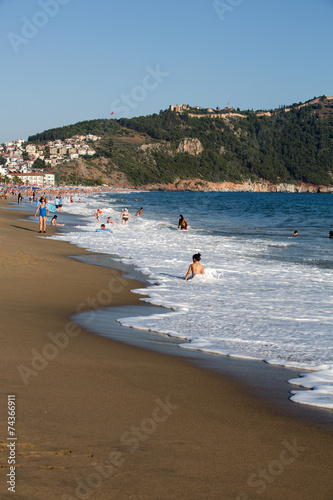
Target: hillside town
(19, 158)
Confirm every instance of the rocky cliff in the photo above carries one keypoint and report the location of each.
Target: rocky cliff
(246, 187)
(190, 146)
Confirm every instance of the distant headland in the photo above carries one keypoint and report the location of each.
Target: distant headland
(289, 149)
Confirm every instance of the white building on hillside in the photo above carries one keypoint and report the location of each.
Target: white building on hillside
(34, 178)
(49, 179)
(91, 137)
(3, 170)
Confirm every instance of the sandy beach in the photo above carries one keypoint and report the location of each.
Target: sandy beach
(99, 419)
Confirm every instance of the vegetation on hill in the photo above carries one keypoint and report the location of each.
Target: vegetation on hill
(95, 127)
(288, 146)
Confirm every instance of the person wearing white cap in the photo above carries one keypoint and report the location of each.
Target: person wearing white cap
(125, 216)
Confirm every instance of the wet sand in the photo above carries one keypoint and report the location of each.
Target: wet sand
(99, 419)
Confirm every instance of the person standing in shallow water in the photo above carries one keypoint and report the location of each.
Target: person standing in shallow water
(125, 216)
(182, 224)
(196, 267)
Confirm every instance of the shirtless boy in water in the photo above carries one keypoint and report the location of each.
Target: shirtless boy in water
(182, 224)
(196, 267)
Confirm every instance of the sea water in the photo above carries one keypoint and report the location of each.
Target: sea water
(265, 294)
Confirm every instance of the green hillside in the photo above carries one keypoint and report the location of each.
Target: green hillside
(293, 144)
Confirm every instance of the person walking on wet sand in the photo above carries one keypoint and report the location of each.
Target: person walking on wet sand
(196, 267)
(43, 212)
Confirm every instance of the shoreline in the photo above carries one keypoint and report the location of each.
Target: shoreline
(253, 374)
(267, 381)
(111, 419)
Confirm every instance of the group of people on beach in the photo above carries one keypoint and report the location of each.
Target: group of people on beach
(58, 202)
(124, 216)
(194, 268)
(43, 211)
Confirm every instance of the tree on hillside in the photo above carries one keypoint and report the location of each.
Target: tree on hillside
(285, 147)
(99, 181)
(39, 164)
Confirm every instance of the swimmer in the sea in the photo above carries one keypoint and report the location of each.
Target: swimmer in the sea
(295, 233)
(196, 267)
(139, 212)
(110, 221)
(182, 224)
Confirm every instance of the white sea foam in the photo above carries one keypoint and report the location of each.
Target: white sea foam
(244, 305)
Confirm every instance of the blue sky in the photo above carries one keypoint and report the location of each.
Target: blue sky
(65, 61)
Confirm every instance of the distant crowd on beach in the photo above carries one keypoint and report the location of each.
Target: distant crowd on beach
(44, 206)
